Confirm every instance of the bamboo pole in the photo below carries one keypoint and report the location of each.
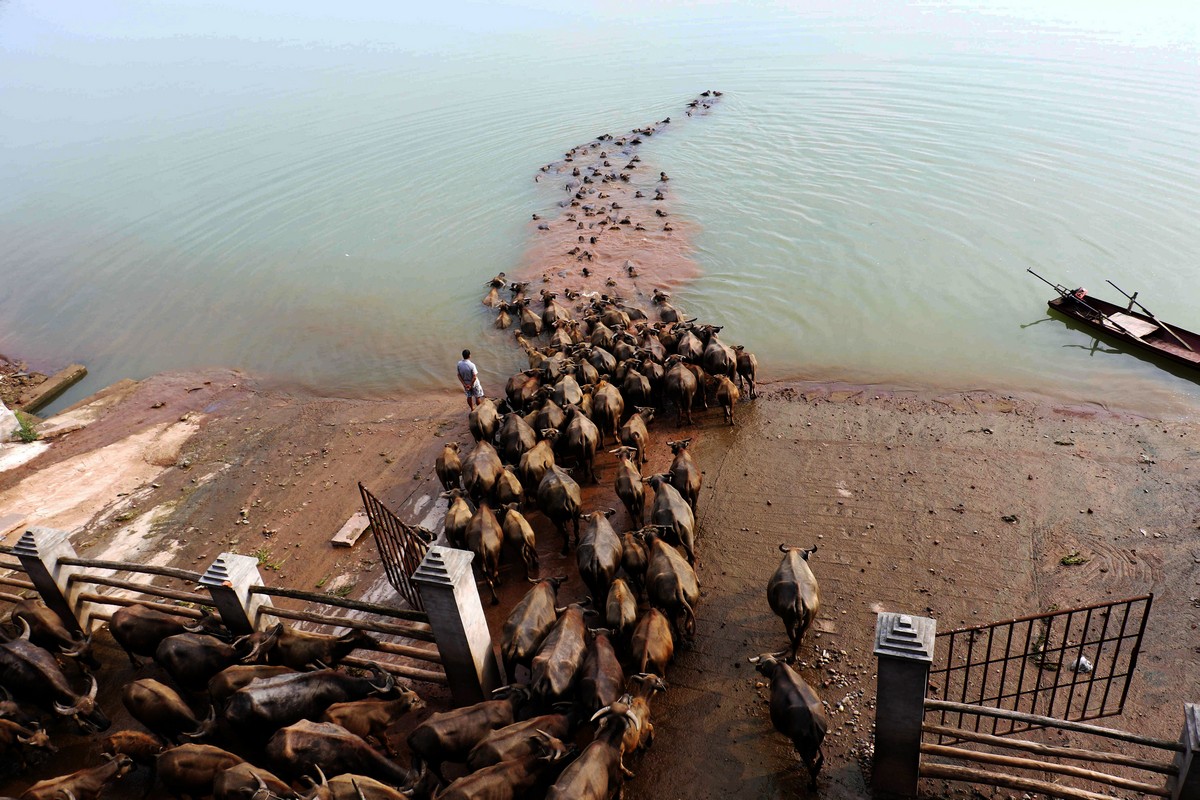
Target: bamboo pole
(1018, 762)
(353, 605)
(1052, 722)
(122, 566)
(406, 672)
(1051, 750)
(971, 775)
(16, 582)
(415, 631)
(112, 600)
(142, 588)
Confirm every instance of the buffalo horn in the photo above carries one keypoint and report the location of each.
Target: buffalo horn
(95, 686)
(25, 628)
(388, 684)
(84, 643)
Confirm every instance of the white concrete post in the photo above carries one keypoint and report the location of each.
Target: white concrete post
(1187, 782)
(451, 600)
(39, 550)
(228, 580)
(904, 649)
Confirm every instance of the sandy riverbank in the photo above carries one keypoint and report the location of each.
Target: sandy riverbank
(904, 492)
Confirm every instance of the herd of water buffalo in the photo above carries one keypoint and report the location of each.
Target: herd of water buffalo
(270, 715)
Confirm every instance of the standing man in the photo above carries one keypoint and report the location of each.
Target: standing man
(468, 375)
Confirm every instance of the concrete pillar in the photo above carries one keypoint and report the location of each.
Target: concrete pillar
(228, 580)
(904, 650)
(1187, 782)
(9, 424)
(451, 600)
(39, 550)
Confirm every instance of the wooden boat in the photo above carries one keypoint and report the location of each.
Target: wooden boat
(1142, 330)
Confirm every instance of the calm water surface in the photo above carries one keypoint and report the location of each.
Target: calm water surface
(317, 192)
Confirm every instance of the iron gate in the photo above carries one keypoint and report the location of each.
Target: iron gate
(1071, 665)
(401, 547)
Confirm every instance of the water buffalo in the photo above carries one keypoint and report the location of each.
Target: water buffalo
(796, 712)
(689, 346)
(607, 409)
(531, 323)
(449, 466)
(192, 659)
(523, 388)
(509, 488)
(139, 629)
(191, 769)
(552, 311)
(370, 719)
(598, 553)
(652, 646)
(354, 787)
(493, 296)
(601, 679)
(518, 534)
(484, 420)
(265, 705)
(503, 316)
(33, 674)
(163, 711)
(528, 623)
(481, 470)
(725, 394)
(559, 498)
(536, 461)
(511, 779)
(634, 557)
(620, 610)
(16, 738)
(46, 629)
(84, 784)
(298, 650)
(142, 747)
(793, 593)
(484, 539)
(635, 386)
(580, 441)
(567, 392)
(517, 740)
(458, 516)
(671, 584)
(559, 660)
(230, 679)
(672, 514)
(450, 735)
(685, 475)
(682, 387)
(597, 773)
(718, 357)
(641, 735)
(515, 437)
(245, 781)
(747, 368)
(297, 748)
(630, 488)
(550, 415)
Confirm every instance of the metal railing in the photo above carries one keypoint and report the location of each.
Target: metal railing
(1075, 665)
(401, 546)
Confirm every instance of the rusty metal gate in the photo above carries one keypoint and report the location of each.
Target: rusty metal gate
(401, 547)
(1071, 665)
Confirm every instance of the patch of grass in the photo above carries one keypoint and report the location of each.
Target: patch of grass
(126, 515)
(25, 433)
(344, 591)
(266, 560)
(1072, 559)
(322, 582)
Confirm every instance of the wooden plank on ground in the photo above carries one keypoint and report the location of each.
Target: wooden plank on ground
(352, 531)
(10, 522)
(51, 388)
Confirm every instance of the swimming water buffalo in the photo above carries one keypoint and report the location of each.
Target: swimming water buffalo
(484, 420)
(449, 466)
(620, 610)
(517, 740)
(747, 368)
(450, 735)
(607, 409)
(559, 660)
(559, 498)
(793, 593)
(528, 623)
(796, 712)
(297, 748)
(458, 516)
(47, 630)
(552, 311)
(671, 584)
(493, 296)
(630, 488)
(685, 475)
(531, 323)
(265, 705)
(84, 784)
(598, 553)
(484, 538)
(512, 778)
(191, 769)
(33, 674)
(481, 470)
(163, 711)
(139, 629)
(503, 316)
(370, 719)
(580, 441)
(672, 514)
(601, 679)
(515, 437)
(519, 536)
(652, 646)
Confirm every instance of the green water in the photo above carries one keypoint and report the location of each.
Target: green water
(316, 193)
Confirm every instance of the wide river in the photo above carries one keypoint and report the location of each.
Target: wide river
(316, 191)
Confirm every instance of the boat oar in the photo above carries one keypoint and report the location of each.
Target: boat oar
(1150, 314)
(1066, 294)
